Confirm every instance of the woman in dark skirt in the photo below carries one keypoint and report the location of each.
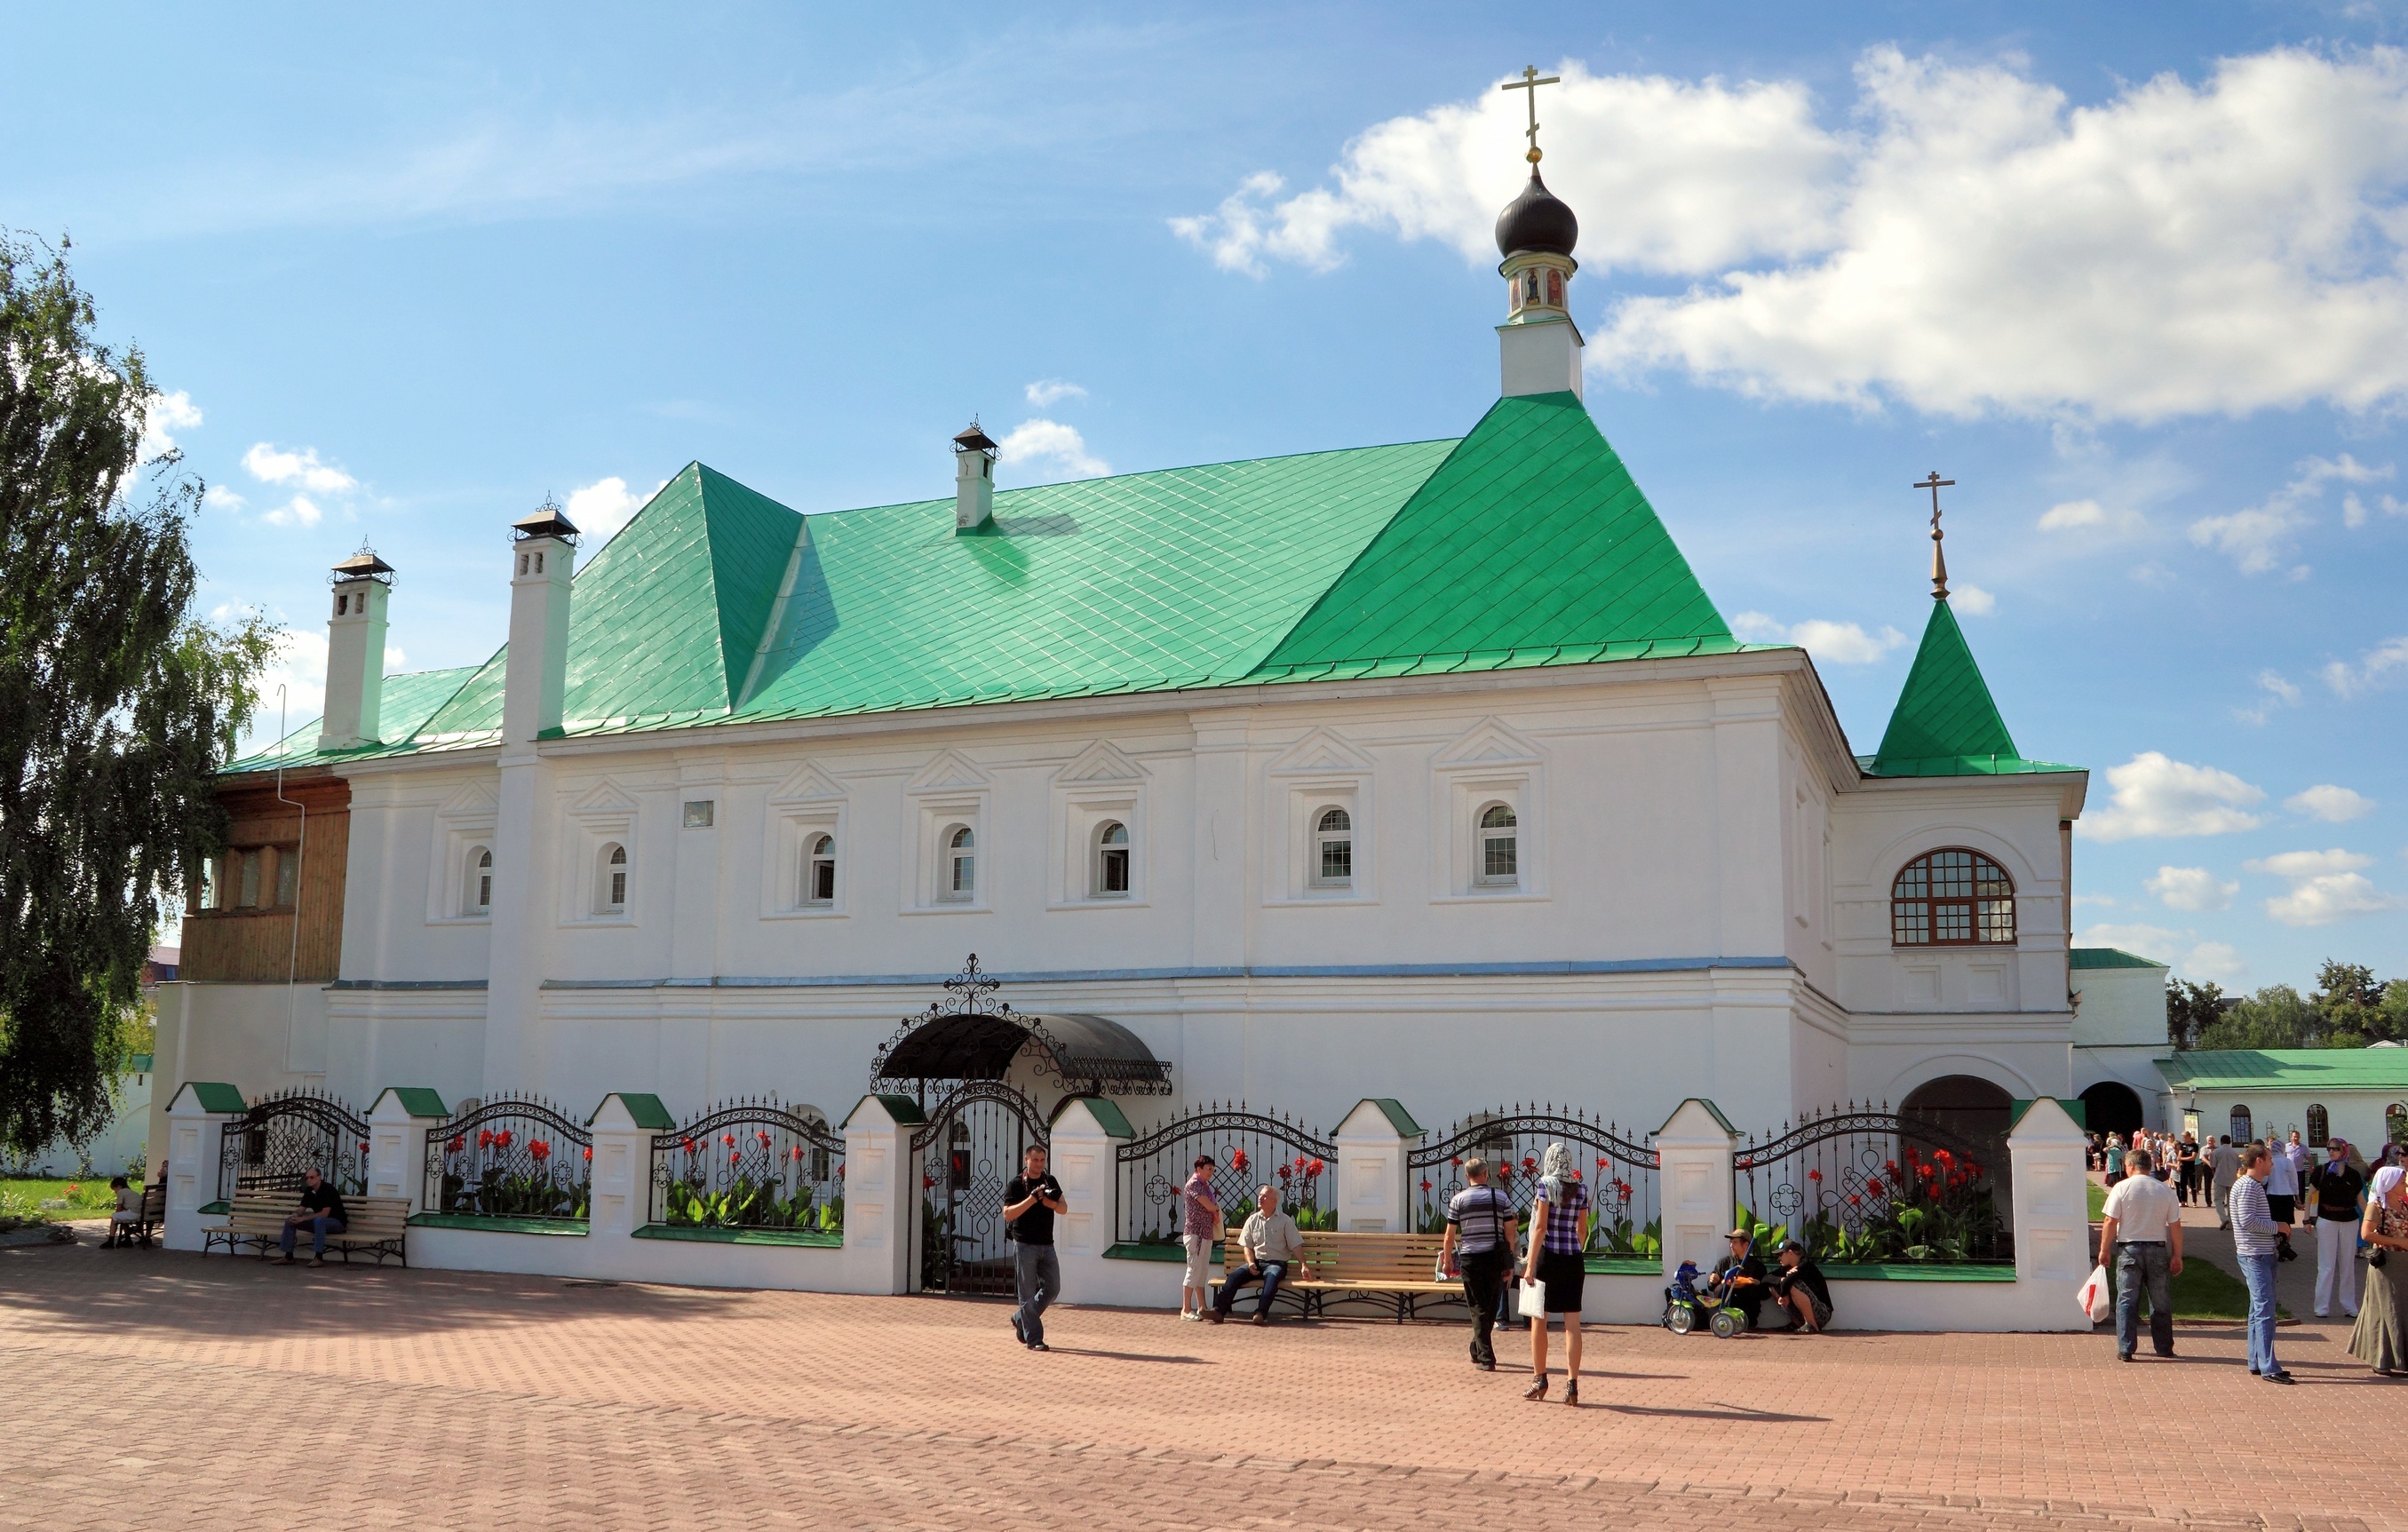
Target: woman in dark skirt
(2381, 1339)
(1558, 1245)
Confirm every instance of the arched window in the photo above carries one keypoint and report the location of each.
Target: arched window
(1555, 288)
(1111, 870)
(1500, 837)
(819, 871)
(613, 881)
(961, 865)
(1333, 849)
(480, 881)
(2240, 1126)
(2319, 1125)
(1952, 898)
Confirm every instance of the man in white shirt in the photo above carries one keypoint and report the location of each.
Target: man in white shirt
(2144, 1231)
(2282, 1195)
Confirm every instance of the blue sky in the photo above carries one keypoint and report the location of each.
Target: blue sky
(2132, 275)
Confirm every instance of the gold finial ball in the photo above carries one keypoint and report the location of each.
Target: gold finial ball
(1532, 157)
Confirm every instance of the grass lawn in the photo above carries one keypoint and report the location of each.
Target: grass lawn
(87, 1197)
(2097, 1202)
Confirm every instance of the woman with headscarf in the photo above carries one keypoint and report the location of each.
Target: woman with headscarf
(1558, 1244)
(2380, 1340)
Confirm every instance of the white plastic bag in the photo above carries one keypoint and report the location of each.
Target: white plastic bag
(2097, 1298)
(1530, 1302)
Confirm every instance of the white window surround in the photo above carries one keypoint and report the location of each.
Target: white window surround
(602, 817)
(1298, 861)
(1490, 765)
(462, 826)
(810, 806)
(1079, 815)
(939, 817)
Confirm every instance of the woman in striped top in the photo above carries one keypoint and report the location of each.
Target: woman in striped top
(1560, 1228)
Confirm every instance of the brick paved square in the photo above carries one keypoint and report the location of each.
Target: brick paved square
(200, 1389)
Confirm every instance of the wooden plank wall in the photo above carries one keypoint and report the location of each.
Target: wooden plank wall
(256, 946)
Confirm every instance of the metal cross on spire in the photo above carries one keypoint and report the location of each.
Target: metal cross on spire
(1531, 79)
(1939, 565)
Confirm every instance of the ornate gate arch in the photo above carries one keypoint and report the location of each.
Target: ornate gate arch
(285, 1135)
(970, 1146)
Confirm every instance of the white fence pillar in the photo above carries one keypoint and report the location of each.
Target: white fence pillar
(1693, 1183)
(2045, 1155)
(622, 1198)
(1085, 1139)
(1368, 1187)
(197, 1119)
(397, 1126)
(881, 1200)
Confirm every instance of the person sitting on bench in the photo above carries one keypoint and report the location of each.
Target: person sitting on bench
(1737, 1280)
(322, 1209)
(1271, 1244)
(127, 1214)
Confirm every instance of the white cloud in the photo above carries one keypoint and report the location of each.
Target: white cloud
(1973, 601)
(298, 511)
(1040, 442)
(2090, 517)
(2322, 901)
(602, 507)
(2333, 804)
(395, 660)
(2217, 962)
(1971, 242)
(2308, 863)
(2374, 668)
(2279, 692)
(1046, 392)
(1834, 643)
(2192, 888)
(2101, 901)
(274, 465)
(2256, 538)
(300, 667)
(222, 498)
(166, 413)
(2156, 795)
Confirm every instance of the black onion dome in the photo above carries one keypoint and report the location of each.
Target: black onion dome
(1537, 221)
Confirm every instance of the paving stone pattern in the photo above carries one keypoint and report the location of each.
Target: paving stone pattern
(149, 1389)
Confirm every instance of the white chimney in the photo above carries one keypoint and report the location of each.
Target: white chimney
(356, 653)
(974, 455)
(543, 557)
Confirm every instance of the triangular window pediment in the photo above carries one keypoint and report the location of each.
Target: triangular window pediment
(473, 799)
(1321, 751)
(1101, 762)
(807, 784)
(1489, 742)
(949, 771)
(603, 798)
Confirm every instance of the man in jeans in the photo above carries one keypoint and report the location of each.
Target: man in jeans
(2143, 1230)
(1478, 1247)
(1272, 1243)
(2252, 1245)
(2224, 1168)
(1030, 1200)
(322, 1212)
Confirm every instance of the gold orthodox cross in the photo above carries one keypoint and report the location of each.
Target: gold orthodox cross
(1939, 565)
(1531, 79)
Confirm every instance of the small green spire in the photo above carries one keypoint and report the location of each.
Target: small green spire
(1946, 711)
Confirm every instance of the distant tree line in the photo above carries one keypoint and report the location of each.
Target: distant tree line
(2347, 1009)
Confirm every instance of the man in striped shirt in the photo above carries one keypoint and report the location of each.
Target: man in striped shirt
(2253, 1243)
(1478, 1246)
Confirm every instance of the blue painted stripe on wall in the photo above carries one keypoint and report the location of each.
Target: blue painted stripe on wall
(1121, 976)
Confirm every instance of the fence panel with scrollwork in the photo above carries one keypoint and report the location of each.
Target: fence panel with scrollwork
(285, 1135)
(1863, 1184)
(512, 1157)
(1618, 1170)
(1249, 1149)
(751, 1164)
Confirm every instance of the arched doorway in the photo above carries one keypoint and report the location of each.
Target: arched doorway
(1969, 1107)
(2111, 1107)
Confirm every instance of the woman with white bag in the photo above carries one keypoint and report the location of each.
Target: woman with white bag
(1553, 1272)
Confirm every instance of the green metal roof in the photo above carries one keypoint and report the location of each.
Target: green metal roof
(1526, 543)
(2108, 957)
(2288, 1069)
(1946, 724)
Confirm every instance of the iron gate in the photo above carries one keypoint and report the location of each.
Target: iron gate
(971, 1145)
(284, 1135)
(1620, 1172)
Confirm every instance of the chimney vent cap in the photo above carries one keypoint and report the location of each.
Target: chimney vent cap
(364, 565)
(545, 520)
(976, 441)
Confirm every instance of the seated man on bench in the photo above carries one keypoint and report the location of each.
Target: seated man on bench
(322, 1209)
(1271, 1244)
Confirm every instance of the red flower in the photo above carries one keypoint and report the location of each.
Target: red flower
(484, 1137)
(1813, 1175)
(502, 1140)
(1285, 1171)
(840, 1169)
(1315, 1169)
(1458, 1160)
(1426, 1186)
(1622, 1189)
(1602, 1162)
(589, 1154)
(728, 1137)
(763, 1134)
(1873, 1187)
(1301, 1162)
(1856, 1201)
(689, 1146)
(734, 1157)
(541, 1149)
(1238, 1160)
(1747, 1164)
(1890, 1166)
(1505, 1172)
(798, 1152)
(457, 1144)
(928, 1182)
(1530, 1163)
(363, 1146)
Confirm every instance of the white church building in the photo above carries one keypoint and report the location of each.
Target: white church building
(1424, 771)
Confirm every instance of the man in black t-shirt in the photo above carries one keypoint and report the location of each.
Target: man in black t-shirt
(1738, 1277)
(321, 1210)
(1030, 1200)
(1799, 1287)
(2335, 1188)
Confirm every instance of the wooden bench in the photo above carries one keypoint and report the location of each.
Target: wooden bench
(376, 1225)
(147, 1220)
(1390, 1270)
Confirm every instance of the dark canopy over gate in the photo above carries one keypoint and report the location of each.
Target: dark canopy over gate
(972, 1035)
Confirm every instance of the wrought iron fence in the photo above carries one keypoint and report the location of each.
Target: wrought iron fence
(750, 1163)
(975, 1141)
(1250, 1150)
(1619, 1171)
(1866, 1183)
(284, 1136)
(512, 1157)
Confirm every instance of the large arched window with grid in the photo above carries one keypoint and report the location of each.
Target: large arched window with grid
(1952, 898)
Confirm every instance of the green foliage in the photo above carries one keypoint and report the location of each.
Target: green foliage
(116, 703)
(1946, 1216)
(747, 1203)
(1620, 1236)
(86, 1196)
(2191, 1009)
(2348, 1008)
(495, 1192)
